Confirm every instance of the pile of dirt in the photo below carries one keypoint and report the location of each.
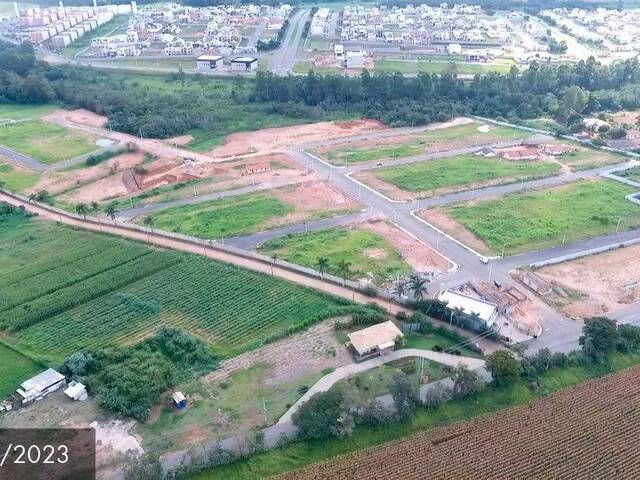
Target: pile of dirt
(81, 116)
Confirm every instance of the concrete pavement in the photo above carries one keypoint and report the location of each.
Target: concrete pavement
(284, 58)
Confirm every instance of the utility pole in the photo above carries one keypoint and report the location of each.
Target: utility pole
(618, 226)
(264, 408)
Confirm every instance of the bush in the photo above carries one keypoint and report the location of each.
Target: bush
(504, 367)
(147, 467)
(405, 397)
(369, 291)
(326, 414)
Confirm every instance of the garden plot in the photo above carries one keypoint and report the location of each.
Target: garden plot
(595, 285)
(250, 213)
(439, 137)
(522, 222)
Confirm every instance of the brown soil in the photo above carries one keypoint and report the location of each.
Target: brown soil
(375, 253)
(626, 118)
(421, 257)
(273, 139)
(600, 279)
(449, 225)
(85, 117)
(180, 140)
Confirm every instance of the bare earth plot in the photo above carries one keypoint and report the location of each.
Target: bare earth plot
(459, 133)
(249, 213)
(597, 284)
(526, 221)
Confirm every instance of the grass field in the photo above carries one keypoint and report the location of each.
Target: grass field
(486, 401)
(15, 368)
(63, 290)
(461, 170)
(631, 173)
(17, 180)
(415, 67)
(367, 252)
(529, 221)
(427, 341)
(23, 112)
(226, 217)
(428, 141)
(42, 141)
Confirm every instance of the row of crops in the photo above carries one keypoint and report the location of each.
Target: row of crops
(63, 290)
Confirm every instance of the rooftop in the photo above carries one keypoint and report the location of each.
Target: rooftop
(467, 304)
(379, 335)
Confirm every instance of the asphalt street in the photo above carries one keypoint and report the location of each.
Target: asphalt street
(284, 57)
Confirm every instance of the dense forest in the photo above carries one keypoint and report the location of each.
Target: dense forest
(565, 92)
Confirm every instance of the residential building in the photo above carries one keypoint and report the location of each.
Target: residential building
(244, 64)
(375, 340)
(208, 62)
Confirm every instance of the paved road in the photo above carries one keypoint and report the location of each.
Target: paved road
(250, 242)
(28, 162)
(284, 58)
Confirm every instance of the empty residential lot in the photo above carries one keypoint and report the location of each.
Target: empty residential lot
(523, 222)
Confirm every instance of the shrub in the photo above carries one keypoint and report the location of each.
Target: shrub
(504, 367)
(405, 397)
(326, 414)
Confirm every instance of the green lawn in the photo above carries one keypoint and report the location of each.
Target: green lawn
(17, 180)
(487, 401)
(226, 217)
(367, 252)
(460, 171)
(529, 221)
(426, 142)
(63, 290)
(415, 67)
(427, 341)
(45, 142)
(631, 174)
(15, 368)
(586, 158)
(23, 112)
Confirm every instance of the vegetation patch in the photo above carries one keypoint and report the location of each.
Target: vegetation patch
(414, 67)
(42, 141)
(462, 170)
(528, 221)
(15, 368)
(15, 179)
(24, 112)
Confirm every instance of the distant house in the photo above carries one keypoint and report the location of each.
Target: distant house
(354, 59)
(244, 64)
(375, 340)
(520, 153)
(257, 167)
(208, 62)
(338, 50)
(556, 150)
(486, 311)
(40, 386)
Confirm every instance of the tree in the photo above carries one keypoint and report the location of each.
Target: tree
(599, 338)
(274, 260)
(111, 213)
(418, 285)
(343, 268)
(405, 396)
(82, 209)
(95, 206)
(2, 184)
(465, 381)
(148, 222)
(400, 289)
(326, 414)
(504, 367)
(322, 263)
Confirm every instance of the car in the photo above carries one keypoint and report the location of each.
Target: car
(484, 260)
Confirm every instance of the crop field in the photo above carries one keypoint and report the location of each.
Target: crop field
(429, 141)
(529, 221)
(415, 67)
(64, 290)
(16, 179)
(367, 252)
(42, 141)
(15, 368)
(588, 431)
(460, 171)
(23, 112)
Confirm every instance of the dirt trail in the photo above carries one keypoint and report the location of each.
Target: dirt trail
(213, 253)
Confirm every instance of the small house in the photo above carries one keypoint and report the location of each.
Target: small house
(338, 50)
(40, 386)
(486, 311)
(76, 391)
(375, 340)
(244, 64)
(520, 153)
(556, 150)
(354, 59)
(179, 400)
(208, 62)
(257, 167)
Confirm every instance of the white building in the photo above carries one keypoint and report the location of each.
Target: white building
(76, 391)
(41, 385)
(454, 49)
(375, 340)
(208, 62)
(244, 64)
(486, 311)
(354, 59)
(338, 50)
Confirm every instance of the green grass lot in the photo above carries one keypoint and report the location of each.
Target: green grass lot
(460, 171)
(116, 23)
(63, 290)
(226, 217)
(428, 141)
(17, 180)
(337, 244)
(223, 408)
(45, 142)
(427, 341)
(415, 67)
(24, 112)
(530, 221)
(586, 158)
(375, 382)
(487, 401)
(302, 67)
(161, 63)
(631, 174)
(15, 368)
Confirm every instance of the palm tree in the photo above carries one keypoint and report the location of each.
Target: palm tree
(343, 268)
(400, 288)
(82, 209)
(322, 264)
(111, 213)
(148, 221)
(418, 285)
(32, 197)
(274, 259)
(94, 206)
